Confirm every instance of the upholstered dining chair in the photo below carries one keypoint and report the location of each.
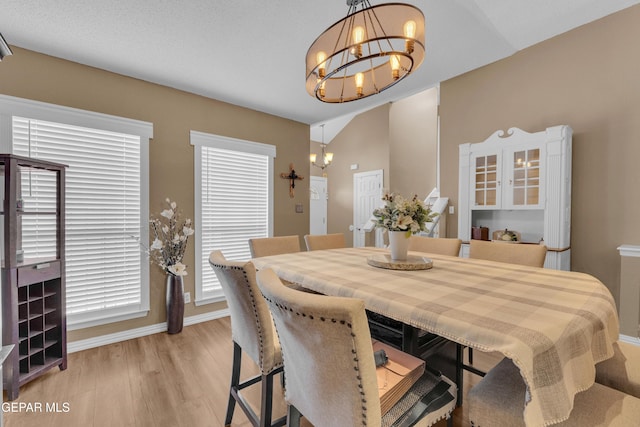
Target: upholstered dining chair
(435, 245)
(622, 371)
(498, 401)
(316, 242)
(252, 330)
(266, 246)
(330, 371)
(512, 253)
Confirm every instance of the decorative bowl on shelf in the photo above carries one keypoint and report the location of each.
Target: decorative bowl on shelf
(506, 236)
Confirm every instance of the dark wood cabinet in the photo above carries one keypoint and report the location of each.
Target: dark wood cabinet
(33, 287)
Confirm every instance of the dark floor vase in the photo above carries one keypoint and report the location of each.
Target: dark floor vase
(175, 303)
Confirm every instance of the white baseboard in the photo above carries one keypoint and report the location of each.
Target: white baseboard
(140, 332)
(191, 320)
(630, 340)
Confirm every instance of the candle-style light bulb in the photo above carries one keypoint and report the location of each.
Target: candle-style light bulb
(410, 33)
(410, 29)
(320, 58)
(395, 66)
(313, 157)
(358, 38)
(359, 77)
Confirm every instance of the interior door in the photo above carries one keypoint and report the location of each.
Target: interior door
(318, 205)
(367, 195)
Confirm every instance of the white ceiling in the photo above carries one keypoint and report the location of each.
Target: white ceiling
(251, 52)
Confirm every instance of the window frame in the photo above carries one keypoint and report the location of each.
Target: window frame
(12, 106)
(198, 140)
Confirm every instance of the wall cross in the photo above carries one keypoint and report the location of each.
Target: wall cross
(292, 176)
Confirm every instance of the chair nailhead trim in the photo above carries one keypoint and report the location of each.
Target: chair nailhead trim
(356, 367)
(255, 309)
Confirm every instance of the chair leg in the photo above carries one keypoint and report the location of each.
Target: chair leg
(459, 373)
(266, 400)
(470, 350)
(235, 380)
(293, 416)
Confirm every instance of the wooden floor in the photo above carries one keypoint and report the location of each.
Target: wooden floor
(158, 380)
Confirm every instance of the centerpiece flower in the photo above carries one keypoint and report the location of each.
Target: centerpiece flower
(400, 214)
(402, 218)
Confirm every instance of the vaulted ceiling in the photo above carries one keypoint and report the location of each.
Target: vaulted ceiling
(251, 52)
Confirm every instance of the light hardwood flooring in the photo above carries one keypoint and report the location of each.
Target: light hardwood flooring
(157, 380)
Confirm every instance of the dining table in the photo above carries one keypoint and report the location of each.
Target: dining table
(554, 325)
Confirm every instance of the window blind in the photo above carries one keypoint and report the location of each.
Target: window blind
(233, 203)
(103, 211)
(235, 206)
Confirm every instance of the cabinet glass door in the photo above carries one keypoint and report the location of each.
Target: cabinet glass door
(486, 181)
(526, 178)
(36, 209)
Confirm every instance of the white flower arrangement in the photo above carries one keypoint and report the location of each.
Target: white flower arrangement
(400, 214)
(170, 240)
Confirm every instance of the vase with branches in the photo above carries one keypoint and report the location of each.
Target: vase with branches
(170, 236)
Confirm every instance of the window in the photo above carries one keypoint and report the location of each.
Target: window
(233, 182)
(107, 276)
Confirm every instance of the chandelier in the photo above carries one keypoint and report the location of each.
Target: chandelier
(326, 158)
(368, 51)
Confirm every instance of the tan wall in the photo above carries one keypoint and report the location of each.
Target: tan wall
(399, 138)
(587, 78)
(413, 132)
(173, 113)
(363, 141)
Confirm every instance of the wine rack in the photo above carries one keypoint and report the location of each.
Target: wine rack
(33, 289)
(39, 330)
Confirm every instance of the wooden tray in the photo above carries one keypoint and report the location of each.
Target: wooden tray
(413, 262)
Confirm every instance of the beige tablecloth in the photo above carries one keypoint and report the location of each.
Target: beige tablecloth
(555, 325)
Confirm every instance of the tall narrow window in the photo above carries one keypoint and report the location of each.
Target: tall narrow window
(233, 202)
(106, 210)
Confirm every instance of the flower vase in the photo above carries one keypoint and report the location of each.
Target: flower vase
(175, 303)
(399, 245)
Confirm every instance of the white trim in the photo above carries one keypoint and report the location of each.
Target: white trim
(210, 300)
(101, 318)
(438, 148)
(198, 140)
(630, 340)
(56, 113)
(629, 250)
(88, 343)
(13, 106)
(233, 144)
(197, 200)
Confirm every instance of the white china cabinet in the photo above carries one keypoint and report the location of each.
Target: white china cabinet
(519, 181)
